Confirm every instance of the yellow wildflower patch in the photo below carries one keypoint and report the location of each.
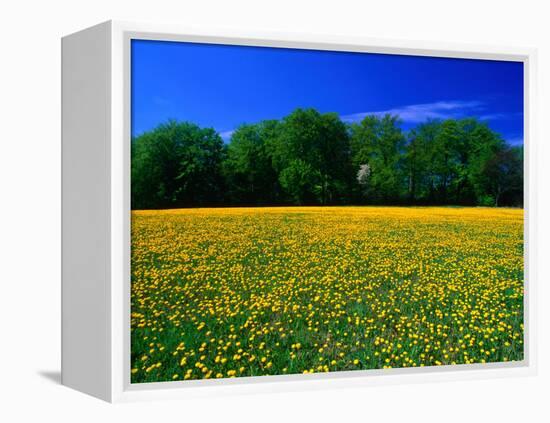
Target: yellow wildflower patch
(286, 290)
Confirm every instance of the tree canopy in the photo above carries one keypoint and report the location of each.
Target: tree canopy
(310, 158)
(177, 164)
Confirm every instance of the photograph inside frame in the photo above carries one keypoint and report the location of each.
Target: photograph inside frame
(301, 211)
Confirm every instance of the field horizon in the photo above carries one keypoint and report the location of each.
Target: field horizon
(328, 206)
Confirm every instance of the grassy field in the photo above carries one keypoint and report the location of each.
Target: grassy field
(263, 291)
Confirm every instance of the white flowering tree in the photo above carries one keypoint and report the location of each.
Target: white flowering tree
(363, 175)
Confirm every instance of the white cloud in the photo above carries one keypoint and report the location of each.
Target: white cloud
(226, 135)
(416, 113)
(497, 116)
(493, 116)
(515, 141)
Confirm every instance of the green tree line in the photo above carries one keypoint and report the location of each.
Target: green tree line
(312, 158)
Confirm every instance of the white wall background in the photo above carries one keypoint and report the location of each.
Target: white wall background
(30, 206)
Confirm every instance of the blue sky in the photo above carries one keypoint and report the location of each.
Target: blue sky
(223, 86)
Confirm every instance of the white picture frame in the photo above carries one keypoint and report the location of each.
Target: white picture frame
(96, 226)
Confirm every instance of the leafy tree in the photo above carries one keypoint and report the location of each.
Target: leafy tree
(335, 166)
(419, 155)
(483, 146)
(176, 164)
(417, 162)
(445, 159)
(503, 175)
(380, 143)
(248, 165)
(314, 158)
(299, 180)
(319, 140)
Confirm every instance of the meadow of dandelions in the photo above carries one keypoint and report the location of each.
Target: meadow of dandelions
(220, 293)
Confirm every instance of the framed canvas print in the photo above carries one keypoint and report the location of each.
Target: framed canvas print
(255, 212)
